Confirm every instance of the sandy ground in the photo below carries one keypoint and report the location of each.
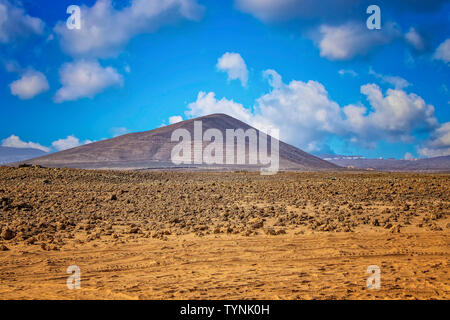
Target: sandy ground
(413, 266)
(223, 236)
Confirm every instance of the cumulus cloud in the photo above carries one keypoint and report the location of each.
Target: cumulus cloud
(443, 52)
(394, 116)
(302, 111)
(351, 39)
(397, 82)
(207, 103)
(415, 39)
(69, 143)
(105, 29)
(85, 79)
(307, 116)
(15, 142)
(439, 142)
(273, 78)
(175, 119)
(234, 66)
(15, 23)
(29, 85)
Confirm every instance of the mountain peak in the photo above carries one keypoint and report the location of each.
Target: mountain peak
(152, 150)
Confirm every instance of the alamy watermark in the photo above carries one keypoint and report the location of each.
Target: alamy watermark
(191, 150)
(374, 280)
(374, 20)
(74, 21)
(74, 280)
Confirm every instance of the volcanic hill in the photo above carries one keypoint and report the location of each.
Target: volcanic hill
(152, 150)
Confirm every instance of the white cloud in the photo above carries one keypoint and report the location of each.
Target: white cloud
(119, 131)
(349, 72)
(85, 79)
(409, 156)
(443, 51)
(15, 142)
(302, 111)
(273, 78)
(432, 152)
(15, 23)
(415, 39)
(267, 10)
(175, 119)
(299, 107)
(234, 66)
(352, 39)
(207, 103)
(12, 66)
(29, 85)
(307, 116)
(105, 30)
(394, 116)
(397, 82)
(277, 10)
(59, 145)
(339, 26)
(439, 142)
(69, 143)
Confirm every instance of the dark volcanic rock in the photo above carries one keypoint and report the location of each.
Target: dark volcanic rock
(8, 234)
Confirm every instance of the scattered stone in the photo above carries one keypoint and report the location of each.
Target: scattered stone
(180, 203)
(395, 229)
(133, 230)
(256, 223)
(8, 234)
(270, 231)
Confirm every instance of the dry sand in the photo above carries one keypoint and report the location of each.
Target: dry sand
(169, 235)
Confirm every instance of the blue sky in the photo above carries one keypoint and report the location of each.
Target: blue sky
(313, 70)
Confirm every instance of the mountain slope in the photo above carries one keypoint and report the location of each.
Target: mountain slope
(152, 150)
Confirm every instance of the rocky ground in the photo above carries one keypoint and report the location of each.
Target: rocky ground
(294, 222)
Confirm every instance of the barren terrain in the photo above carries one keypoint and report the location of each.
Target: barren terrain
(235, 235)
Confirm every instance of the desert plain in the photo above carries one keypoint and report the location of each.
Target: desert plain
(223, 235)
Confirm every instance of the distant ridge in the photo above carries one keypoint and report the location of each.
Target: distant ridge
(10, 154)
(152, 150)
(427, 164)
